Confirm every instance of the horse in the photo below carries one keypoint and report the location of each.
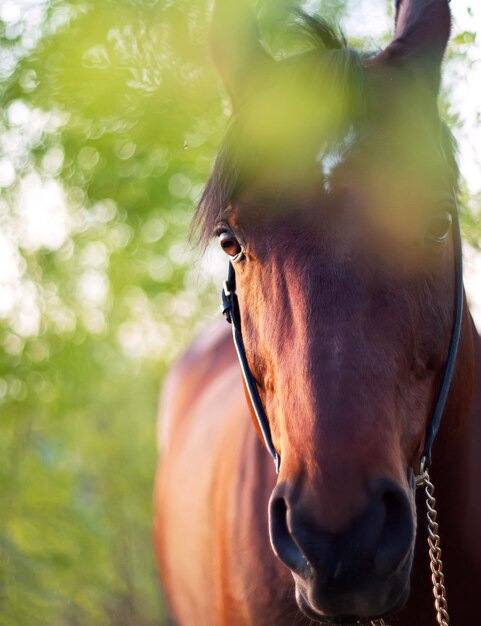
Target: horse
(333, 197)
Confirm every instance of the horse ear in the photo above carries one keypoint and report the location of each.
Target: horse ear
(420, 39)
(236, 46)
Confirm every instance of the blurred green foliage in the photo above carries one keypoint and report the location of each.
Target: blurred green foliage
(111, 117)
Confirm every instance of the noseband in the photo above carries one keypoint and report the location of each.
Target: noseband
(230, 309)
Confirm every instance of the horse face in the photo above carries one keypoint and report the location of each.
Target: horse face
(337, 222)
(346, 328)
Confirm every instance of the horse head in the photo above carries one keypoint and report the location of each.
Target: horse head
(332, 197)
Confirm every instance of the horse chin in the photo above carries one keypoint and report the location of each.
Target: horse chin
(323, 617)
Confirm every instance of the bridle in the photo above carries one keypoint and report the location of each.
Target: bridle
(230, 309)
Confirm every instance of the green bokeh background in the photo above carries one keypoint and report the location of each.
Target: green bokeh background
(111, 114)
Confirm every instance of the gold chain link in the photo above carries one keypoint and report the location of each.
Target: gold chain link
(434, 543)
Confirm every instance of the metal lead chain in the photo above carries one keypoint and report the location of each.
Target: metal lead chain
(434, 543)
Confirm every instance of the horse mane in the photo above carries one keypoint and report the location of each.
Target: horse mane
(320, 33)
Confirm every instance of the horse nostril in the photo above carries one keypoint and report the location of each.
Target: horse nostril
(398, 531)
(282, 540)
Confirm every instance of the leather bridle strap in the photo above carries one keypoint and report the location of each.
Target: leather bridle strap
(438, 412)
(230, 309)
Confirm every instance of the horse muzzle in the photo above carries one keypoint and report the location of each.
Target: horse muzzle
(359, 573)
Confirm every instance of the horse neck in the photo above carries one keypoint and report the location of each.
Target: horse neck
(457, 475)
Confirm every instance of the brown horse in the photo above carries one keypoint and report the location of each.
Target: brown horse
(331, 197)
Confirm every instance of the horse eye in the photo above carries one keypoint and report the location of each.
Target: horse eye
(229, 244)
(439, 228)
